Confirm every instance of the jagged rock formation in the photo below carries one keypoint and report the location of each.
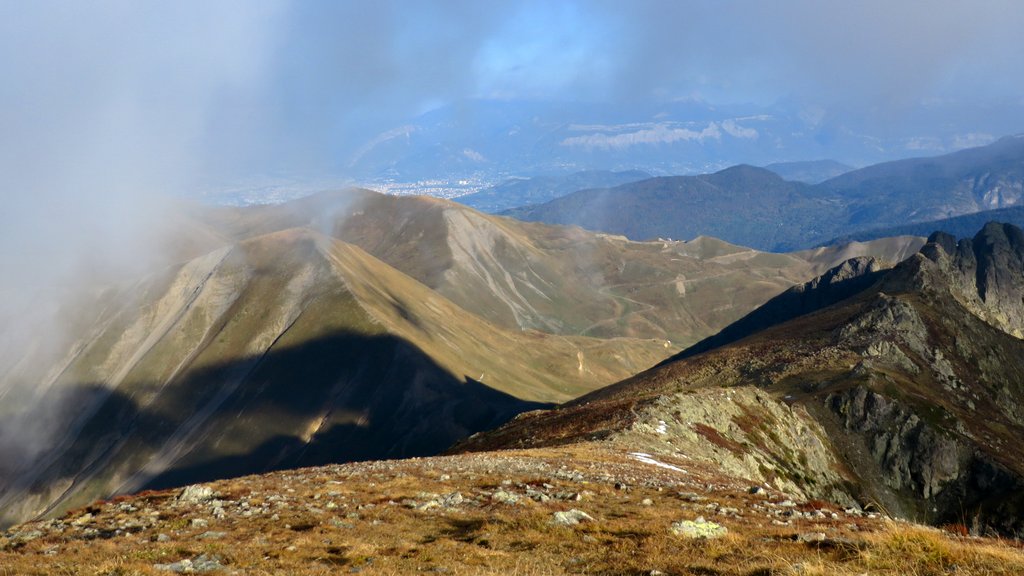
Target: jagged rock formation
(985, 273)
(907, 395)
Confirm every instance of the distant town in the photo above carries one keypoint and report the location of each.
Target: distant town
(274, 190)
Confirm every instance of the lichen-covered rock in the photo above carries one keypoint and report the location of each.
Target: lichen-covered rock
(201, 563)
(699, 528)
(195, 494)
(503, 497)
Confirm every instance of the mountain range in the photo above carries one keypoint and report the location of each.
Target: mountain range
(797, 437)
(958, 226)
(518, 192)
(756, 207)
(857, 378)
(353, 325)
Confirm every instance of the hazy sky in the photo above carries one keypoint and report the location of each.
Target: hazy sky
(104, 102)
(186, 88)
(346, 69)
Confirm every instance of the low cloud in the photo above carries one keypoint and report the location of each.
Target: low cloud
(736, 131)
(657, 134)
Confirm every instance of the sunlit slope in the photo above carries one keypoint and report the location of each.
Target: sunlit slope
(562, 280)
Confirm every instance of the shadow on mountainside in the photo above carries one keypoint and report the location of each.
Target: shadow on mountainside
(338, 398)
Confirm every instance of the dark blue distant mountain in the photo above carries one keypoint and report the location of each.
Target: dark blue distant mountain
(755, 207)
(959, 226)
(518, 192)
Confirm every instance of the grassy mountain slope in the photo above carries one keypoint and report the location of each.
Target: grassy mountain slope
(286, 349)
(493, 513)
(551, 278)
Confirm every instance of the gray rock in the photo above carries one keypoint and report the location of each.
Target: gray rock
(911, 454)
(28, 535)
(428, 505)
(195, 494)
(570, 518)
(201, 563)
(451, 500)
(537, 495)
(811, 537)
(503, 497)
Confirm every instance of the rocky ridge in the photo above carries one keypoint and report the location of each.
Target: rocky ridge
(899, 396)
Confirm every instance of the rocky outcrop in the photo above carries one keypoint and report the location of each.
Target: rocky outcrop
(931, 473)
(985, 273)
(913, 456)
(908, 394)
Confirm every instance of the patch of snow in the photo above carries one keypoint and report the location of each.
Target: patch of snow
(662, 427)
(647, 459)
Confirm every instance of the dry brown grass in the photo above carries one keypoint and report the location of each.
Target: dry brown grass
(484, 537)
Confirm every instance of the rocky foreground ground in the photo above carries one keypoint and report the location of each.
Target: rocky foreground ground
(583, 509)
